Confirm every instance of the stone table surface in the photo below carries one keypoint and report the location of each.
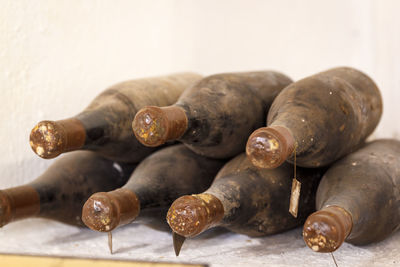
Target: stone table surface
(216, 247)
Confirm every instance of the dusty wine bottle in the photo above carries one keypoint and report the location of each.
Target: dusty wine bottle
(215, 116)
(326, 116)
(60, 192)
(246, 200)
(156, 182)
(105, 125)
(358, 199)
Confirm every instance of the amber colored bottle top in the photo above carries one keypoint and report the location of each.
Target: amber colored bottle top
(153, 126)
(325, 230)
(18, 203)
(269, 147)
(49, 139)
(189, 216)
(104, 211)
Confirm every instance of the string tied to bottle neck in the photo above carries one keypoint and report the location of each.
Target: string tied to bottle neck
(334, 260)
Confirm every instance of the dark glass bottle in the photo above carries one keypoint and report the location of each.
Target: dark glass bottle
(358, 199)
(246, 200)
(157, 181)
(215, 116)
(325, 116)
(105, 125)
(60, 192)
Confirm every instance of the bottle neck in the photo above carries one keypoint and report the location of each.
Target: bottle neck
(18, 203)
(153, 126)
(49, 139)
(191, 215)
(325, 230)
(104, 211)
(269, 147)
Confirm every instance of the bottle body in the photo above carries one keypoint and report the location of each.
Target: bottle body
(61, 191)
(105, 125)
(156, 183)
(366, 184)
(172, 172)
(260, 206)
(215, 116)
(339, 106)
(246, 200)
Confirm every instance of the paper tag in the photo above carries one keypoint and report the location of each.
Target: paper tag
(294, 197)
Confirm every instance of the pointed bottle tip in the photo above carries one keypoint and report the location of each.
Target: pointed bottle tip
(110, 244)
(177, 241)
(153, 126)
(104, 211)
(269, 147)
(326, 230)
(49, 139)
(188, 216)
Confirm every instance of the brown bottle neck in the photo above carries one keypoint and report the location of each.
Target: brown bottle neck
(153, 126)
(128, 205)
(18, 203)
(325, 230)
(49, 139)
(191, 215)
(104, 211)
(269, 147)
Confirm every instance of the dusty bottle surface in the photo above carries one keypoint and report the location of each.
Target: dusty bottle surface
(358, 199)
(246, 200)
(105, 125)
(156, 182)
(215, 116)
(326, 116)
(60, 192)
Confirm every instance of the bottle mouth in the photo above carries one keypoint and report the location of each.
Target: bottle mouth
(46, 139)
(269, 147)
(326, 230)
(189, 216)
(100, 213)
(153, 126)
(105, 211)
(150, 126)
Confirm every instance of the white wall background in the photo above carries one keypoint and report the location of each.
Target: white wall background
(55, 56)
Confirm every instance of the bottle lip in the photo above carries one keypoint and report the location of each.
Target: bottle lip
(153, 126)
(150, 126)
(105, 211)
(326, 230)
(269, 147)
(48, 139)
(191, 215)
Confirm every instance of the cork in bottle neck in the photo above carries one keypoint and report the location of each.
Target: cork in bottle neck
(18, 203)
(191, 215)
(325, 230)
(104, 211)
(153, 126)
(49, 139)
(269, 147)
